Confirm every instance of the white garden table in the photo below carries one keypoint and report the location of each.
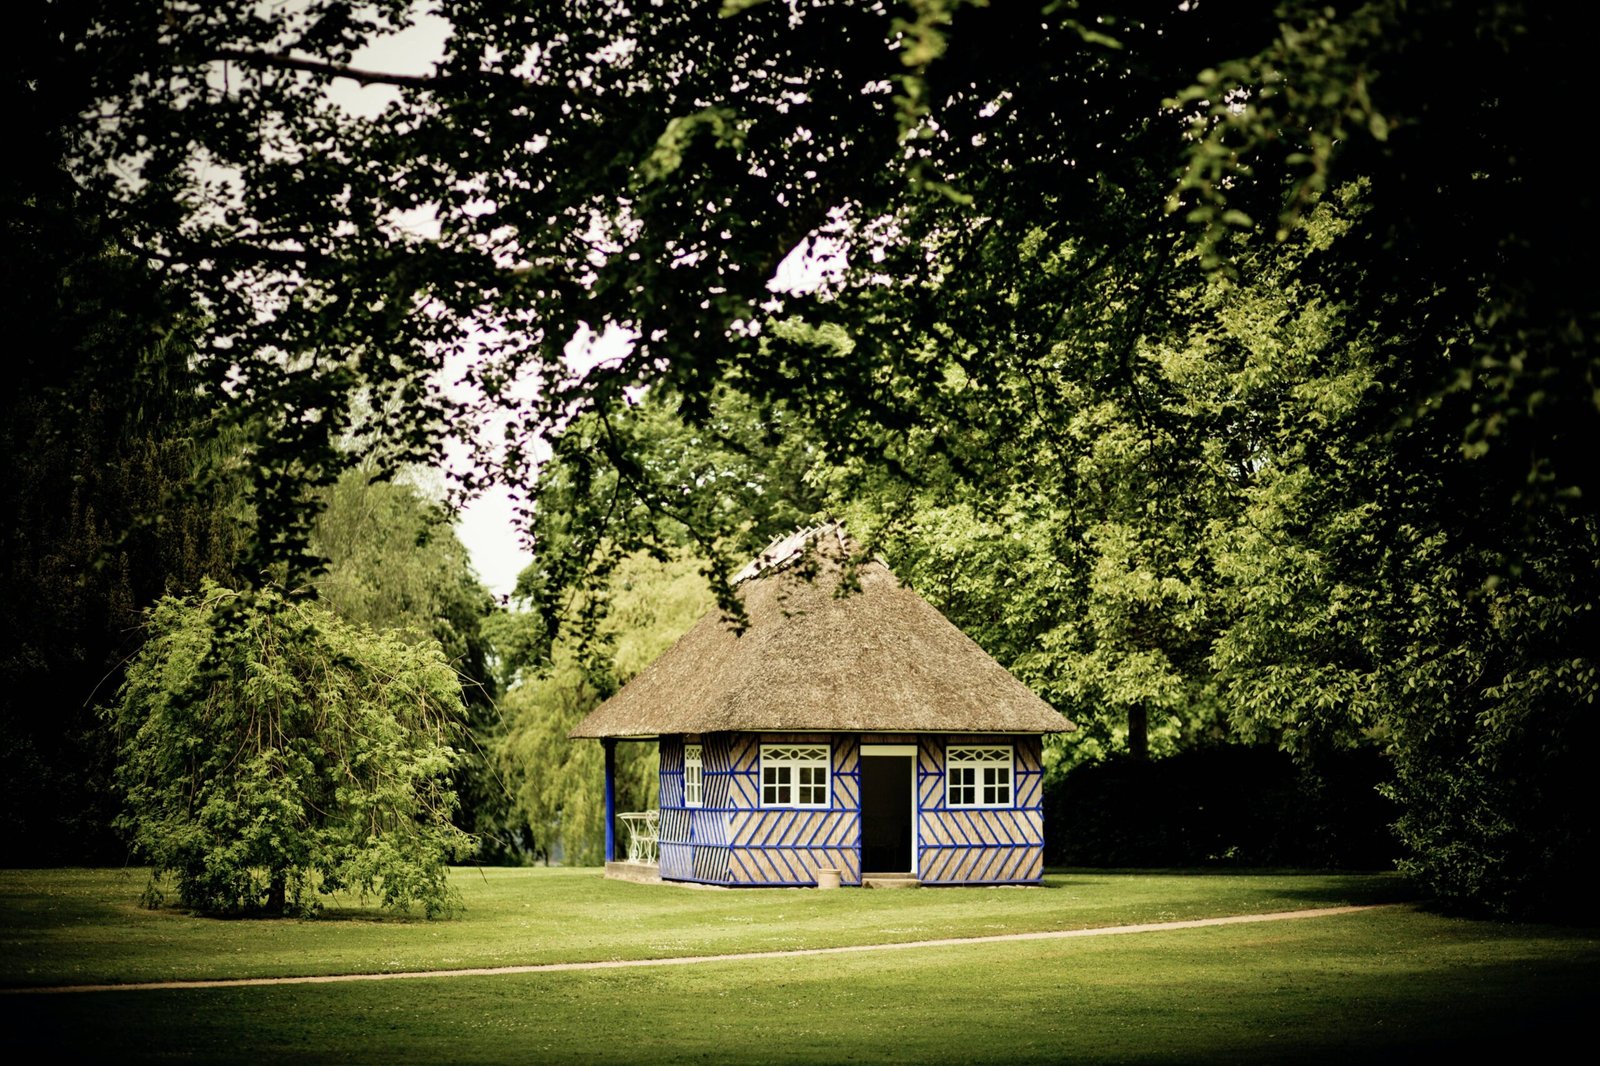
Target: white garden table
(643, 835)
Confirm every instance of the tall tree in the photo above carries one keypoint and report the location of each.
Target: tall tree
(1025, 200)
(1384, 587)
(679, 155)
(394, 563)
(597, 166)
(115, 490)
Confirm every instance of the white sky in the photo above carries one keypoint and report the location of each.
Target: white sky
(487, 525)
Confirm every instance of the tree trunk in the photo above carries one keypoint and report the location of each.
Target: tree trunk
(1139, 732)
(277, 894)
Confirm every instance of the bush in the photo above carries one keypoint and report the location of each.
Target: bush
(270, 753)
(1500, 805)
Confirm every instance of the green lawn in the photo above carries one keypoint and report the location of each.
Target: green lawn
(1381, 984)
(87, 927)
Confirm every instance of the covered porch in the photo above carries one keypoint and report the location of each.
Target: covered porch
(639, 858)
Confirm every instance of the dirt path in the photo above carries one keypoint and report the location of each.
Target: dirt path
(694, 960)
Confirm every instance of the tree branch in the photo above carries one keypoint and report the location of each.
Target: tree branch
(323, 68)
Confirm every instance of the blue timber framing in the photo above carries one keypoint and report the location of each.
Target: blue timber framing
(610, 746)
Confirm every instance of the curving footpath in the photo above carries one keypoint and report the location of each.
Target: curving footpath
(695, 960)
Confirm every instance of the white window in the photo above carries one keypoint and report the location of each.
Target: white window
(978, 777)
(794, 775)
(692, 768)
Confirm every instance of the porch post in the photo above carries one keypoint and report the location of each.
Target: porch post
(610, 746)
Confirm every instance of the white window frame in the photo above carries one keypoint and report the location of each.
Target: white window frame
(694, 768)
(796, 765)
(983, 763)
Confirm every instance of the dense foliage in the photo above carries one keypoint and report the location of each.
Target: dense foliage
(271, 753)
(1223, 805)
(114, 489)
(1228, 372)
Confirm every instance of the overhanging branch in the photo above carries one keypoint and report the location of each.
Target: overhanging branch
(323, 68)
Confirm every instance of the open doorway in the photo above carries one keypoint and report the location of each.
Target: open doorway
(888, 815)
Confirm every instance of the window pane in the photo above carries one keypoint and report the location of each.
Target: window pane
(797, 775)
(979, 776)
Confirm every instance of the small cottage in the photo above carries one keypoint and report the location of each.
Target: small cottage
(853, 731)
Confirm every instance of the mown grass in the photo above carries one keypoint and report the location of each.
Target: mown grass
(1387, 985)
(87, 927)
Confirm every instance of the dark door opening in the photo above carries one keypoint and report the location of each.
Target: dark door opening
(886, 814)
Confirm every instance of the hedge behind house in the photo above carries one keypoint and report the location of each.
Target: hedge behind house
(1227, 806)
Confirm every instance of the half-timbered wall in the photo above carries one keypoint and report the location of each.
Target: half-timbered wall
(732, 840)
(694, 840)
(965, 845)
(786, 846)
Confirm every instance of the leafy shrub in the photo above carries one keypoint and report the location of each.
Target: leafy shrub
(270, 753)
(1499, 792)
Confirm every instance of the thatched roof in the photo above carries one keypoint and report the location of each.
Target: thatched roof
(876, 660)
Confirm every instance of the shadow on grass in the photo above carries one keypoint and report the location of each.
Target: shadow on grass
(338, 915)
(1355, 887)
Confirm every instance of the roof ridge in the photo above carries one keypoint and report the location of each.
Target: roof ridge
(878, 660)
(784, 550)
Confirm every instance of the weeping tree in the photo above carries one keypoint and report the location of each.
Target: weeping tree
(559, 783)
(394, 563)
(271, 755)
